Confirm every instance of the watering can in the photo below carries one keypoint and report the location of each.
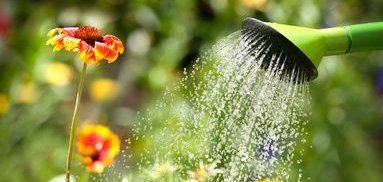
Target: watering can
(304, 47)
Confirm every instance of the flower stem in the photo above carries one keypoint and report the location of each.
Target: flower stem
(74, 123)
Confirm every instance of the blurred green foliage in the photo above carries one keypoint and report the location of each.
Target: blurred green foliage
(345, 131)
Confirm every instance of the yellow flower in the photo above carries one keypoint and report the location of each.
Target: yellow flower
(88, 41)
(26, 93)
(103, 90)
(58, 74)
(4, 104)
(97, 146)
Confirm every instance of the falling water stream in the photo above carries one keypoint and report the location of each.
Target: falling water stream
(228, 119)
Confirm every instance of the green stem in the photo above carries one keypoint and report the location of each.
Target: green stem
(74, 123)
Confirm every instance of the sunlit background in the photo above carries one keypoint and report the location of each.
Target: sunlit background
(161, 38)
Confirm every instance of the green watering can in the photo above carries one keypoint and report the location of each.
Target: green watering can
(303, 48)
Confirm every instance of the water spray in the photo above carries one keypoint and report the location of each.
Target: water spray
(303, 48)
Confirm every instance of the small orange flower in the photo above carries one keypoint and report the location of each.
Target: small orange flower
(97, 146)
(88, 41)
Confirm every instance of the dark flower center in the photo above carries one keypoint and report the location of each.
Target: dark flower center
(95, 157)
(89, 34)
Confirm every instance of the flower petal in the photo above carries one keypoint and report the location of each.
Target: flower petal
(52, 32)
(56, 41)
(114, 43)
(114, 145)
(86, 53)
(53, 41)
(70, 31)
(102, 51)
(85, 149)
(70, 43)
(112, 56)
(96, 167)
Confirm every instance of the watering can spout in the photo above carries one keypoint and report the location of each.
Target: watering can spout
(317, 43)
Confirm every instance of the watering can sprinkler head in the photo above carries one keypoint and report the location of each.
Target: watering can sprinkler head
(302, 49)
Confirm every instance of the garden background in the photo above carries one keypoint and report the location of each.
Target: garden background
(161, 38)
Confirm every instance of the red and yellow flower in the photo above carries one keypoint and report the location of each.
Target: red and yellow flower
(97, 146)
(88, 41)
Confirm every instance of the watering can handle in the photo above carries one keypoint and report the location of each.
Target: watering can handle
(365, 37)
